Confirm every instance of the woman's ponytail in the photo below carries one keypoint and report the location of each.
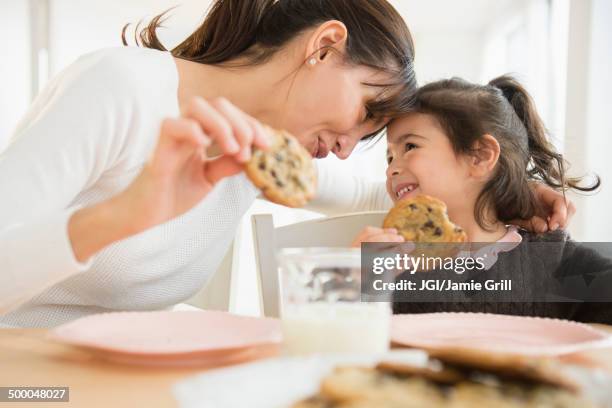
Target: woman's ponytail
(242, 33)
(545, 163)
(229, 30)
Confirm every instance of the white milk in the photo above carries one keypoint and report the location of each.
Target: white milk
(336, 327)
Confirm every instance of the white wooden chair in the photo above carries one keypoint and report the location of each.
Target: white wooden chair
(336, 231)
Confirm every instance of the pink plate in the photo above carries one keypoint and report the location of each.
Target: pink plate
(207, 334)
(503, 333)
(208, 360)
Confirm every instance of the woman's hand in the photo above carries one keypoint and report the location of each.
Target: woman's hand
(178, 176)
(556, 210)
(181, 173)
(375, 234)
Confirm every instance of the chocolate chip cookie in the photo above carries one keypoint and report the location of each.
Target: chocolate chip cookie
(423, 219)
(285, 172)
(469, 384)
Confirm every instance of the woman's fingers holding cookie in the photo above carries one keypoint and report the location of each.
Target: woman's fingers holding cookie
(241, 127)
(215, 124)
(261, 138)
(178, 140)
(182, 131)
(221, 167)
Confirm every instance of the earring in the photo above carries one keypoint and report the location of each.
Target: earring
(312, 61)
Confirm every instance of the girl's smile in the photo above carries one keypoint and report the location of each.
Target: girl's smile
(422, 161)
(405, 190)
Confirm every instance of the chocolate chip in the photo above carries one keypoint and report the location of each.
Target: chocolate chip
(273, 173)
(298, 181)
(412, 206)
(438, 232)
(429, 209)
(429, 224)
(280, 183)
(262, 166)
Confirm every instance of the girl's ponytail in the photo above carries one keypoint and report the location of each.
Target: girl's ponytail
(545, 163)
(504, 110)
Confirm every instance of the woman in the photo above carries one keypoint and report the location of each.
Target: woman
(102, 215)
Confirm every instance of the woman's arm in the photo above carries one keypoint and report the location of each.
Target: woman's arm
(340, 192)
(74, 133)
(556, 210)
(177, 177)
(62, 145)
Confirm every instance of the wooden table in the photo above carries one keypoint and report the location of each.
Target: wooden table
(27, 358)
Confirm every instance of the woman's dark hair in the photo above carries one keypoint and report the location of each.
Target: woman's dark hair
(504, 110)
(254, 30)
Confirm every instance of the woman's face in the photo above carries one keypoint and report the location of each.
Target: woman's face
(422, 161)
(330, 115)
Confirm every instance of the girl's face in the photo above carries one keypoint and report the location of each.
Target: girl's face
(330, 114)
(422, 161)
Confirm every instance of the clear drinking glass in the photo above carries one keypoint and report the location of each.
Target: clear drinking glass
(321, 303)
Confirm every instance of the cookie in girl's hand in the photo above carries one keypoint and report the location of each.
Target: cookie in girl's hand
(285, 172)
(423, 219)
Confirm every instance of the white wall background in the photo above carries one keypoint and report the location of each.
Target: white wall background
(589, 105)
(14, 65)
(559, 48)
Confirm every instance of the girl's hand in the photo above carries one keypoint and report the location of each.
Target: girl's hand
(375, 234)
(557, 210)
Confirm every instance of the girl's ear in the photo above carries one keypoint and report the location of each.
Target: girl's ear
(484, 156)
(332, 33)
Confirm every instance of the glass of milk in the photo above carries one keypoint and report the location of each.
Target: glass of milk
(322, 310)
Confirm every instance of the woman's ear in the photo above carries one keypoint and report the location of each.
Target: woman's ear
(484, 156)
(332, 33)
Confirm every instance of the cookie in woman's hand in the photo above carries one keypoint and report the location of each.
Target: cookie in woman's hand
(284, 172)
(423, 219)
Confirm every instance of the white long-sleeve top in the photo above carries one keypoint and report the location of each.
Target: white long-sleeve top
(84, 139)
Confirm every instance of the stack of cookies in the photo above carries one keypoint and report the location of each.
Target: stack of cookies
(455, 378)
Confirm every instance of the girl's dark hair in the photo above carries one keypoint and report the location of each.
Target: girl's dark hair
(254, 30)
(504, 110)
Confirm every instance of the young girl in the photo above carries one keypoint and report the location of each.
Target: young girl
(469, 146)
